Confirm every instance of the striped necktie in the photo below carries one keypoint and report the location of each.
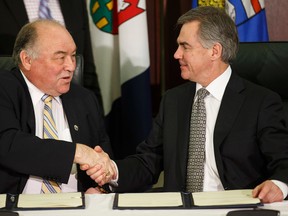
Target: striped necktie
(49, 132)
(44, 11)
(196, 153)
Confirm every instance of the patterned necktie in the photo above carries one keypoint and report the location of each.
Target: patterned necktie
(44, 11)
(49, 132)
(196, 153)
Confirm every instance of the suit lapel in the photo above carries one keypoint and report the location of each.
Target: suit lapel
(30, 109)
(231, 104)
(18, 10)
(71, 114)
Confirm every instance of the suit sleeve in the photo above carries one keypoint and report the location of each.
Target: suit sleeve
(21, 152)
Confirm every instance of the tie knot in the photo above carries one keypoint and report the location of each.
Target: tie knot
(202, 93)
(46, 98)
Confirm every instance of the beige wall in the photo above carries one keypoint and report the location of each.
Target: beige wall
(277, 19)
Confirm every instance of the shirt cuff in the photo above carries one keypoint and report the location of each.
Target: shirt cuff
(114, 182)
(283, 187)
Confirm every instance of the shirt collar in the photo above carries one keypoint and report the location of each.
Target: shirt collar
(35, 93)
(217, 86)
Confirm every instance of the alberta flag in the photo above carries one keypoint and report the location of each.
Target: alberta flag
(249, 17)
(121, 51)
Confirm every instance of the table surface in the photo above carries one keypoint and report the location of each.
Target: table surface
(101, 204)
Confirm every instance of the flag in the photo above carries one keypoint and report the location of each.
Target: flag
(119, 38)
(249, 17)
(214, 3)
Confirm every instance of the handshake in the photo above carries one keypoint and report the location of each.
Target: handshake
(97, 165)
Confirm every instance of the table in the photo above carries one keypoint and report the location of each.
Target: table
(101, 204)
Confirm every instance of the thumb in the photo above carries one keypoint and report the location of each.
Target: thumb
(98, 149)
(84, 167)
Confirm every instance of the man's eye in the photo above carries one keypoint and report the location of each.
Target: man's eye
(185, 47)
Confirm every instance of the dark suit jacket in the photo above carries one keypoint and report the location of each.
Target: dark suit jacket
(250, 140)
(23, 154)
(13, 16)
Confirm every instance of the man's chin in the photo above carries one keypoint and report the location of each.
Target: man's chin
(64, 89)
(184, 75)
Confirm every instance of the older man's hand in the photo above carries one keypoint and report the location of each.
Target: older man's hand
(96, 162)
(102, 172)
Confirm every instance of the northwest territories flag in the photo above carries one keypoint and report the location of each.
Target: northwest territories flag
(249, 17)
(120, 46)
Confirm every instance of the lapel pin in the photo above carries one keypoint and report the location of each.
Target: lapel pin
(76, 127)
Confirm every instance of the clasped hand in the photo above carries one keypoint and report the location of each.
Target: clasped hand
(96, 163)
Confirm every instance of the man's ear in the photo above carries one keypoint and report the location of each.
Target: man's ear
(26, 60)
(217, 51)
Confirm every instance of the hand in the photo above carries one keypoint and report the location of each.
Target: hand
(86, 155)
(101, 174)
(102, 168)
(92, 190)
(268, 192)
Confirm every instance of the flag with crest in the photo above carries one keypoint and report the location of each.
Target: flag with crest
(249, 17)
(121, 51)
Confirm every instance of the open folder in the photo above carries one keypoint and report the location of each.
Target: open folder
(178, 200)
(42, 201)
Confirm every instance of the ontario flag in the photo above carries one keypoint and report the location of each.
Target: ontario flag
(249, 17)
(121, 51)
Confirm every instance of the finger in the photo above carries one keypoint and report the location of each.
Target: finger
(94, 169)
(84, 167)
(255, 191)
(114, 171)
(98, 175)
(102, 179)
(98, 149)
(264, 190)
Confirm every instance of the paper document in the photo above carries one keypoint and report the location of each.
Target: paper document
(2, 200)
(216, 199)
(229, 197)
(50, 200)
(150, 199)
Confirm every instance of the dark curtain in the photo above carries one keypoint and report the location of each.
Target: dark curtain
(162, 16)
(174, 9)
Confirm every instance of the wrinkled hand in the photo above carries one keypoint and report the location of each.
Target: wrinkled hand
(101, 174)
(268, 192)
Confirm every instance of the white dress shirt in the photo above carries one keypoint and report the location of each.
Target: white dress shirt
(216, 88)
(212, 102)
(33, 185)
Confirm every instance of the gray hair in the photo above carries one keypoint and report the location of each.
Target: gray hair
(215, 26)
(27, 37)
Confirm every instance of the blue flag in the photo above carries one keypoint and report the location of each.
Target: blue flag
(249, 17)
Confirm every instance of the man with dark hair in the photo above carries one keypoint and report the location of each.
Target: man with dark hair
(217, 131)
